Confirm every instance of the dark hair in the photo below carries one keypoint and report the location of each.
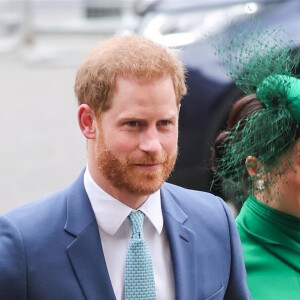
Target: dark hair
(241, 109)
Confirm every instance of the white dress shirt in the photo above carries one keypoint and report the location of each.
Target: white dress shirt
(115, 231)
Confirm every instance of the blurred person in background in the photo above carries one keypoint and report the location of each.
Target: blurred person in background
(258, 155)
(77, 243)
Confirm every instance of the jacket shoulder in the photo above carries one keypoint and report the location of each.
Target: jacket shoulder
(40, 216)
(193, 199)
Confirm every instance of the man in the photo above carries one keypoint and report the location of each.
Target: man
(77, 243)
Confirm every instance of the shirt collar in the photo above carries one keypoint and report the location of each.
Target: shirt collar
(111, 213)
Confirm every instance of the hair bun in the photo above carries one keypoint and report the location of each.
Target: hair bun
(281, 90)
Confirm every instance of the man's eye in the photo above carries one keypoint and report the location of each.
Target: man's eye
(165, 122)
(133, 123)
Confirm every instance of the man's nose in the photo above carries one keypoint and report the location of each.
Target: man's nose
(150, 140)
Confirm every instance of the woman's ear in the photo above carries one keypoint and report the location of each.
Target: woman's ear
(253, 166)
(86, 121)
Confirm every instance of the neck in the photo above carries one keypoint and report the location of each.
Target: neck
(282, 205)
(132, 200)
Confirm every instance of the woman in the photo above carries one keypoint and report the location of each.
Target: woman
(258, 154)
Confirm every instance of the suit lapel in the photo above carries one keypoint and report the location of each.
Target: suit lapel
(85, 251)
(182, 246)
(88, 262)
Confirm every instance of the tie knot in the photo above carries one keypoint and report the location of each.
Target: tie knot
(136, 219)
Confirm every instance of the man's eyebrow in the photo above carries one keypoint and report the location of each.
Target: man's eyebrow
(130, 118)
(138, 118)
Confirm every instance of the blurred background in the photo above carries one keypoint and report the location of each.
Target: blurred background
(42, 43)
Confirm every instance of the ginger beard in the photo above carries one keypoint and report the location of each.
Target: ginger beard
(124, 174)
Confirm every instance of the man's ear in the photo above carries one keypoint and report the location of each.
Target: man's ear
(86, 121)
(253, 166)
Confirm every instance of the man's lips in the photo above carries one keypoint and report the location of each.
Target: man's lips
(149, 167)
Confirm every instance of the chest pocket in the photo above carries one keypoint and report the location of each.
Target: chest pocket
(219, 295)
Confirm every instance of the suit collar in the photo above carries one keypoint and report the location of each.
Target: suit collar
(182, 244)
(85, 251)
(79, 211)
(171, 207)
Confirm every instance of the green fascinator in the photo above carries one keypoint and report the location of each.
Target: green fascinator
(261, 63)
(278, 90)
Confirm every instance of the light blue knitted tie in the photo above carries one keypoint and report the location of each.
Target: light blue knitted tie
(139, 279)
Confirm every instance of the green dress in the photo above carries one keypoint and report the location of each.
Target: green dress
(271, 246)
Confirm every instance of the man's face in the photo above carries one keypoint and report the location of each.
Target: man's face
(136, 143)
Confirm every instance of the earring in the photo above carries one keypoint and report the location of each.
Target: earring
(260, 185)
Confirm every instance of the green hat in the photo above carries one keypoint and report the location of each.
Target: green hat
(266, 92)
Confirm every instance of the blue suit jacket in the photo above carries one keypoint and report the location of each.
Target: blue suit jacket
(51, 249)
